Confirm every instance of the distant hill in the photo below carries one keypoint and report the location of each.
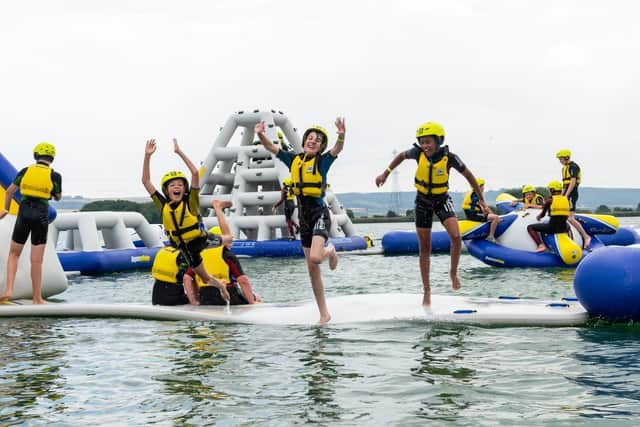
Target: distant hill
(379, 203)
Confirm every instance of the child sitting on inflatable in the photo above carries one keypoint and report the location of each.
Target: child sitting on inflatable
(477, 210)
(222, 264)
(558, 208)
(530, 198)
(180, 205)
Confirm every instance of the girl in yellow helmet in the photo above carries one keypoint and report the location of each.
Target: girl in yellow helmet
(432, 183)
(37, 183)
(309, 177)
(530, 198)
(180, 205)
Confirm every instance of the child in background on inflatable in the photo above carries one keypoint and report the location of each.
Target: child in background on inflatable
(225, 266)
(530, 198)
(432, 182)
(557, 206)
(309, 176)
(179, 206)
(476, 210)
(37, 183)
(571, 179)
(288, 197)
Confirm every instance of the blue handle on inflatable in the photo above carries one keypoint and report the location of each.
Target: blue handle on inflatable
(569, 299)
(558, 305)
(465, 311)
(508, 297)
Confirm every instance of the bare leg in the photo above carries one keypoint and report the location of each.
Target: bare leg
(316, 282)
(586, 239)
(318, 252)
(37, 254)
(204, 275)
(15, 250)
(424, 258)
(495, 219)
(451, 225)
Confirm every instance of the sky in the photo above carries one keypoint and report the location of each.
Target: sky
(512, 82)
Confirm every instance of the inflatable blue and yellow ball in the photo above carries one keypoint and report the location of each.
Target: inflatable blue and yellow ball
(607, 283)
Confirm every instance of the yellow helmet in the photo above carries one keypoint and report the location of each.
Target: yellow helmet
(529, 188)
(320, 129)
(44, 149)
(287, 181)
(430, 128)
(563, 153)
(480, 181)
(280, 135)
(171, 175)
(215, 230)
(555, 186)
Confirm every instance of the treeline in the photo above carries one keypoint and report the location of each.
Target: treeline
(148, 210)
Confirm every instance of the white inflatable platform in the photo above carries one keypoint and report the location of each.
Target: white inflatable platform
(344, 309)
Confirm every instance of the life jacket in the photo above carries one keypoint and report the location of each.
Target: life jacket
(36, 182)
(566, 176)
(432, 178)
(305, 176)
(180, 224)
(559, 206)
(537, 199)
(166, 265)
(289, 192)
(215, 266)
(466, 203)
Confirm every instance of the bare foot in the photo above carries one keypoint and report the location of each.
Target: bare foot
(5, 297)
(333, 256)
(586, 242)
(222, 204)
(39, 301)
(324, 319)
(455, 282)
(540, 249)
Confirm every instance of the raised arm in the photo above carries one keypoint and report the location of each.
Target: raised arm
(382, 178)
(266, 142)
(337, 148)
(195, 177)
(146, 174)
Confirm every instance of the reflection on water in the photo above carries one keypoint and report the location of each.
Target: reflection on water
(31, 356)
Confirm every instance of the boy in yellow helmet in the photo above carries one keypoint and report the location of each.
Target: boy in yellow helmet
(309, 171)
(475, 210)
(288, 197)
(180, 205)
(530, 198)
(37, 183)
(571, 179)
(432, 183)
(558, 207)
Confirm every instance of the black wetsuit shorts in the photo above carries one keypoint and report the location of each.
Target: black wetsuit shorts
(192, 250)
(165, 293)
(210, 295)
(315, 220)
(573, 199)
(289, 207)
(426, 206)
(32, 219)
(475, 216)
(556, 225)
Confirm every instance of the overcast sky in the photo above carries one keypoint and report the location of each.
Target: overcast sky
(511, 81)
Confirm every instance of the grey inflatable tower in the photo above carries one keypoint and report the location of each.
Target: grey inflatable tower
(250, 177)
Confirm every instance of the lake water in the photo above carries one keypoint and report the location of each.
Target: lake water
(137, 372)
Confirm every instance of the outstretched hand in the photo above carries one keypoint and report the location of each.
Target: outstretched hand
(150, 147)
(259, 128)
(176, 147)
(341, 126)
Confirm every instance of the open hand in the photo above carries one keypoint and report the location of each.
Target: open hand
(176, 147)
(340, 125)
(259, 128)
(150, 147)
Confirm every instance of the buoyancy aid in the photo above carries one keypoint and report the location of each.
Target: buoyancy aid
(559, 206)
(305, 176)
(166, 265)
(289, 192)
(466, 203)
(36, 182)
(537, 199)
(180, 224)
(566, 175)
(215, 266)
(432, 177)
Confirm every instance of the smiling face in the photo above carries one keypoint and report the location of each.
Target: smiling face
(313, 143)
(428, 145)
(175, 189)
(563, 160)
(529, 195)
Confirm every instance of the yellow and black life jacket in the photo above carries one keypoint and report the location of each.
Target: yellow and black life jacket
(537, 199)
(215, 266)
(466, 203)
(166, 266)
(305, 176)
(36, 182)
(180, 224)
(566, 176)
(559, 206)
(290, 194)
(432, 178)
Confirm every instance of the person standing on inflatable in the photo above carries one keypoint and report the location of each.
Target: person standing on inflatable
(179, 206)
(558, 207)
(474, 210)
(432, 182)
(571, 178)
(38, 183)
(309, 176)
(288, 197)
